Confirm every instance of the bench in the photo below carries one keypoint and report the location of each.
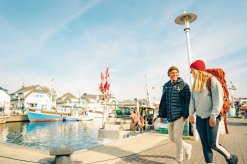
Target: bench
(62, 154)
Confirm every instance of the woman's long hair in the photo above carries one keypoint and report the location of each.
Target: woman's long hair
(200, 79)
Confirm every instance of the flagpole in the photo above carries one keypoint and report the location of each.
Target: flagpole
(103, 119)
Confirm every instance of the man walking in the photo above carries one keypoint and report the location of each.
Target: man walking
(174, 106)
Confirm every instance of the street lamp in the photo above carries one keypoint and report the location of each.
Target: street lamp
(185, 19)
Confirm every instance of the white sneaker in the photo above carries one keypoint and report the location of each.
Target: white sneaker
(188, 152)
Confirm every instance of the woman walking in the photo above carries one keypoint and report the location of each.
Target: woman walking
(207, 107)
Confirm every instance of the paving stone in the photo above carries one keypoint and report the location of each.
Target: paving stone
(235, 142)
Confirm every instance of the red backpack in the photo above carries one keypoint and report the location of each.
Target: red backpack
(220, 76)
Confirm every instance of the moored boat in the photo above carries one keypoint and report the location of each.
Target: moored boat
(43, 116)
(70, 118)
(95, 110)
(85, 118)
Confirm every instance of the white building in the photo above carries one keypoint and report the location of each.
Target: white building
(4, 101)
(67, 99)
(34, 96)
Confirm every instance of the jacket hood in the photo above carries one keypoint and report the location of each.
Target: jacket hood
(178, 80)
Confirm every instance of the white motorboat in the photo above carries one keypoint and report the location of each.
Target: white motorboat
(85, 118)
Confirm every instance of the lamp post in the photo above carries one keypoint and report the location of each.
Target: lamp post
(185, 19)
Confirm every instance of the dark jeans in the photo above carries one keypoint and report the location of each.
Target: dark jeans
(209, 138)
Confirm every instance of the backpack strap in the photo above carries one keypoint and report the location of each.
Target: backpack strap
(208, 85)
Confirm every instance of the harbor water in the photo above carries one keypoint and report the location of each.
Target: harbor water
(45, 136)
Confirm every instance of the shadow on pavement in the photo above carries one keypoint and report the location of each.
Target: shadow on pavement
(143, 159)
(47, 160)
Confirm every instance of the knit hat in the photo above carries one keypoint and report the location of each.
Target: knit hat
(199, 65)
(171, 69)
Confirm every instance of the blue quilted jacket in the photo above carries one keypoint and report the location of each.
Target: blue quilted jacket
(175, 100)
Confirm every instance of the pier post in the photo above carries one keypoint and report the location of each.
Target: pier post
(62, 155)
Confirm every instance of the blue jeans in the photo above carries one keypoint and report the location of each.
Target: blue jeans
(209, 139)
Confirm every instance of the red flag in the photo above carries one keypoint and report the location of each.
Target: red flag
(107, 73)
(104, 85)
(101, 87)
(107, 85)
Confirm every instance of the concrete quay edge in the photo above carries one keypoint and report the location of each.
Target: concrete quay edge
(108, 153)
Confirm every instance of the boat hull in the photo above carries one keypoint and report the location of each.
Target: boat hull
(71, 118)
(43, 117)
(85, 118)
(95, 114)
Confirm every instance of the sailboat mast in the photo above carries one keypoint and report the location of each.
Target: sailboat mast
(147, 90)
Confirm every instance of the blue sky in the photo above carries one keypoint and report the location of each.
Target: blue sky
(72, 41)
